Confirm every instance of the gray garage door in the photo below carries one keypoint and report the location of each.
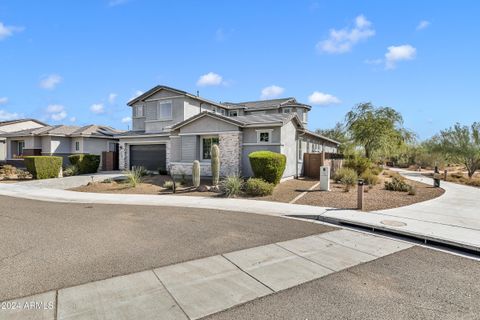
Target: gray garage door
(152, 157)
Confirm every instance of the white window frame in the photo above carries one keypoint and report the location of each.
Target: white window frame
(137, 109)
(20, 143)
(159, 110)
(300, 151)
(269, 132)
(287, 110)
(304, 116)
(201, 145)
(77, 145)
(233, 112)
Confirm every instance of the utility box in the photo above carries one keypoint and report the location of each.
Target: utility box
(325, 178)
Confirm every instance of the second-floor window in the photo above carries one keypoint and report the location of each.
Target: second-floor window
(287, 110)
(139, 111)
(304, 115)
(233, 113)
(164, 110)
(77, 146)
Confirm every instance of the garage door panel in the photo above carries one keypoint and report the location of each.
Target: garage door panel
(152, 156)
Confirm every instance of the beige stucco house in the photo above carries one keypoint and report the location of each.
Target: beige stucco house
(13, 126)
(171, 128)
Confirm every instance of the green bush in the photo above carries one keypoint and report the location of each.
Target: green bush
(376, 170)
(43, 167)
(346, 176)
(258, 188)
(231, 186)
(71, 170)
(86, 163)
(359, 164)
(268, 165)
(369, 177)
(135, 176)
(397, 185)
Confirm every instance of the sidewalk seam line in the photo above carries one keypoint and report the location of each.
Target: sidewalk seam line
(55, 314)
(296, 254)
(248, 274)
(170, 294)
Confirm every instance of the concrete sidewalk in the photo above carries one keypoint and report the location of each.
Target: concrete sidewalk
(195, 289)
(453, 218)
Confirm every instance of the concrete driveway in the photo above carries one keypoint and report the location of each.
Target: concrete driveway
(47, 246)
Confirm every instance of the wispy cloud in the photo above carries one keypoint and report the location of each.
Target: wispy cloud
(5, 115)
(3, 100)
(271, 92)
(97, 108)
(423, 25)
(322, 99)
(126, 119)
(343, 40)
(399, 53)
(8, 31)
(136, 94)
(56, 112)
(73, 119)
(210, 79)
(50, 82)
(112, 97)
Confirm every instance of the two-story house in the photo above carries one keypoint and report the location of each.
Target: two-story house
(172, 128)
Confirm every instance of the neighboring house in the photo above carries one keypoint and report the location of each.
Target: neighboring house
(12, 126)
(172, 128)
(60, 140)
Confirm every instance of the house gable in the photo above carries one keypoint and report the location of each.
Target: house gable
(208, 124)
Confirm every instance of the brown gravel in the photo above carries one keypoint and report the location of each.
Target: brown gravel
(376, 198)
(150, 185)
(288, 190)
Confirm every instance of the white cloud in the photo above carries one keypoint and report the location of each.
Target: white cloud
(3, 100)
(341, 41)
(136, 94)
(57, 112)
(423, 24)
(97, 108)
(50, 81)
(322, 99)
(112, 97)
(210, 79)
(73, 119)
(271, 92)
(53, 108)
(399, 53)
(5, 115)
(126, 120)
(8, 31)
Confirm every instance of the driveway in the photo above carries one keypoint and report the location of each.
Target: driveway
(73, 181)
(453, 218)
(48, 246)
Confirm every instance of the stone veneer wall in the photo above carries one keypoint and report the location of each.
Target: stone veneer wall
(230, 145)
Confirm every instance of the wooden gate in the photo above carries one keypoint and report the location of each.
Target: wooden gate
(313, 161)
(109, 161)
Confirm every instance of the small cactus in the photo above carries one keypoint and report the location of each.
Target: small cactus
(196, 173)
(215, 164)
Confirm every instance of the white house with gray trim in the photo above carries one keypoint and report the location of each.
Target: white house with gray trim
(13, 126)
(171, 128)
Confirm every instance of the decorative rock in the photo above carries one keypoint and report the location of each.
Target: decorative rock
(203, 188)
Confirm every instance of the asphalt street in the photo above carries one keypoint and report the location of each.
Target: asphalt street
(46, 246)
(416, 283)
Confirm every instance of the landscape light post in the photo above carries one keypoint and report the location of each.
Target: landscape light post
(360, 194)
(436, 178)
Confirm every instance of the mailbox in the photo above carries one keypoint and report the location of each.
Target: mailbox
(324, 178)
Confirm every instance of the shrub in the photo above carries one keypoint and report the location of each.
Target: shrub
(257, 187)
(346, 176)
(268, 165)
(370, 178)
(169, 185)
(43, 167)
(8, 170)
(397, 185)
(86, 163)
(135, 176)
(231, 186)
(376, 170)
(412, 191)
(359, 164)
(71, 170)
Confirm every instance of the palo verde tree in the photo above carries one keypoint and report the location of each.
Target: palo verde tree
(338, 133)
(461, 144)
(379, 130)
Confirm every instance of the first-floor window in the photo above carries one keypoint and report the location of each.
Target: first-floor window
(207, 143)
(21, 146)
(77, 146)
(300, 151)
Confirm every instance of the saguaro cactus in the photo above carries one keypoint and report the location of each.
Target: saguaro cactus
(215, 164)
(196, 173)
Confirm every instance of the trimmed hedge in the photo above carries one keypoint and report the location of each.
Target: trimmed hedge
(86, 163)
(258, 188)
(43, 167)
(268, 165)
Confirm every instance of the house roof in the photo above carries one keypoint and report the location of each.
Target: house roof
(133, 134)
(62, 130)
(9, 122)
(158, 88)
(267, 104)
(311, 133)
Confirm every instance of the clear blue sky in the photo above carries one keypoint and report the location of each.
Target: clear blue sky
(81, 61)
